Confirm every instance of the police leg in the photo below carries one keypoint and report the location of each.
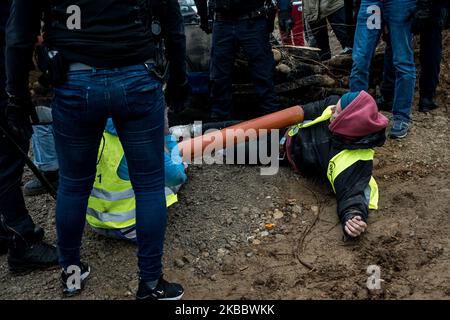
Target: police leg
(254, 39)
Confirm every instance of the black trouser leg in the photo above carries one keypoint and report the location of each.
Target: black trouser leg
(254, 38)
(430, 60)
(350, 19)
(12, 205)
(338, 24)
(319, 31)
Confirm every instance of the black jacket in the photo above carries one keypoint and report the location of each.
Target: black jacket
(313, 148)
(230, 7)
(436, 10)
(112, 33)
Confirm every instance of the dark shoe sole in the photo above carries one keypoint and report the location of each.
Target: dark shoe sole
(164, 299)
(426, 110)
(28, 268)
(398, 136)
(33, 193)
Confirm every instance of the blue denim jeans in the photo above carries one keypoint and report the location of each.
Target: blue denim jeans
(44, 152)
(253, 36)
(397, 17)
(132, 96)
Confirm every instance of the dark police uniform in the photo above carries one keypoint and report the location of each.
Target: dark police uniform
(431, 48)
(240, 23)
(13, 213)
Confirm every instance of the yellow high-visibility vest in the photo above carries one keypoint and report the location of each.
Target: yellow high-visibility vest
(344, 159)
(112, 204)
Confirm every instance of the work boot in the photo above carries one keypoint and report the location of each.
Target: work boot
(162, 291)
(346, 51)
(71, 285)
(427, 105)
(28, 253)
(36, 188)
(5, 239)
(384, 104)
(3, 247)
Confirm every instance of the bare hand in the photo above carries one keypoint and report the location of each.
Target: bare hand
(355, 227)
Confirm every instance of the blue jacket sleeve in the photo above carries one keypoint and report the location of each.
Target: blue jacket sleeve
(175, 174)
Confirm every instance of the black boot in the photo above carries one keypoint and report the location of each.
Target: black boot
(29, 252)
(427, 105)
(6, 238)
(36, 188)
(3, 247)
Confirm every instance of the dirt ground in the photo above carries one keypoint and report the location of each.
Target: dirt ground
(218, 247)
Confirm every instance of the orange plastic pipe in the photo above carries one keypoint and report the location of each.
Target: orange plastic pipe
(217, 140)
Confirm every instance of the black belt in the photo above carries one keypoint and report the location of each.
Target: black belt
(220, 16)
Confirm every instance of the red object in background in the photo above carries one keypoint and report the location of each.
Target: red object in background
(297, 36)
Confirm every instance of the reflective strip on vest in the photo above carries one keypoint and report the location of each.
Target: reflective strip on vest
(326, 115)
(112, 216)
(112, 196)
(346, 159)
(112, 204)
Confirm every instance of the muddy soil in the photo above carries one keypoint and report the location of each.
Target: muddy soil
(219, 246)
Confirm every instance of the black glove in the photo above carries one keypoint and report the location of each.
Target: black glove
(286, 22)
(206, 26)
(17, 114)
(177, 95)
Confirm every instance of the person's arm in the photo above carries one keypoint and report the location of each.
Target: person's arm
(352, 190)
(175, 173)
(178, 89)
(315, 109)
(175, 42)
(21, 31)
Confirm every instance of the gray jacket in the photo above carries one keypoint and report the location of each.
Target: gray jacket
(314, 10)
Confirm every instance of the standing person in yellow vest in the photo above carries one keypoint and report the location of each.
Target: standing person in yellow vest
(337, 141)
(112, 206)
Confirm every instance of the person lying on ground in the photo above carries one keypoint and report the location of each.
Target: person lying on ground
(336, 142)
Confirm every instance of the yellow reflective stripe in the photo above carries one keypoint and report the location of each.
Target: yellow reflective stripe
(326, 115)
(346, 159)
(101, 205)
(374, 194)
(112, 196)
(93, 222)
(171, 199)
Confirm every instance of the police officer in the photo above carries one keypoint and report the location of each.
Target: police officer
(18, 233)
(429, 20)
(103, 60)
(246, 24)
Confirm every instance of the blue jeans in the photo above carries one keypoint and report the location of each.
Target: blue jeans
(253, 36)
(132, 97)
(44, 151)
(399, 57)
